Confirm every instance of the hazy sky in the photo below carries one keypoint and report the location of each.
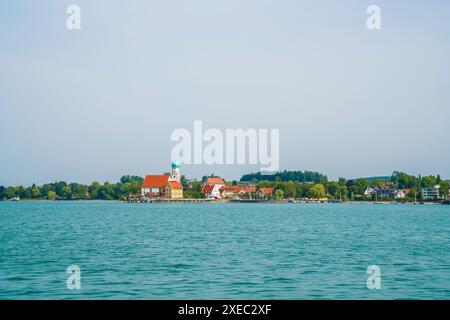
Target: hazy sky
(101, 102)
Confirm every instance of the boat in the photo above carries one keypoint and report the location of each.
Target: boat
(15, 199)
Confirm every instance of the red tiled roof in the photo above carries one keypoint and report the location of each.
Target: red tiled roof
(248, 189)
(266, 190)
(215, 181)
(175, 185)
(207, 188)
(230, 188)
(155, 181)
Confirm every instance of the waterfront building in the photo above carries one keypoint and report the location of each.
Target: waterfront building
(154, 185)
(164, 185)
(247, 189)
(431, 193)
(385, 192)
(399, 194)
(214, 181)
(263, 192)
(408, 191)
(173, 190)
(369, 192)
(211, 187)
(236, 191)
(229, 191)
(212, 191)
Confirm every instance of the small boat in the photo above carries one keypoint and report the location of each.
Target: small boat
(15, 199)
(292, 201)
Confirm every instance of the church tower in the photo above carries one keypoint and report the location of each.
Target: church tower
(176, 173)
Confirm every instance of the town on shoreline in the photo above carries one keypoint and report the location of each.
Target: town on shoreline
(285, 186)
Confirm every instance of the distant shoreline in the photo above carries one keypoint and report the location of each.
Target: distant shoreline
(226, 201)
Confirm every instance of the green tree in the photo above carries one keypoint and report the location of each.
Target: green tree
(290, 189)
(107, 192)
(193, 190)
(59, 188)
(51, 195)
(333, 189)
(317, 191)
(131, 179)
(428, 181)
(279, 194)
(444, 188)
(10, 192)
(46, 188)
(67, 192)
(79, 191)
(35, 192)
(2, 193)
(94, 189)
(184, 182)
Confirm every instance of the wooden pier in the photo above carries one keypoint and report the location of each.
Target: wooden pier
(140, 199)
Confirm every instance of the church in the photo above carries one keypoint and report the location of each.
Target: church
(164, 185)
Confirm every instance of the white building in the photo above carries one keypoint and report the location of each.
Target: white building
(431, 193)
(211, 187)
(385, 192)
(155, 185)
(212, 191)
(399, 194)
(176, 173)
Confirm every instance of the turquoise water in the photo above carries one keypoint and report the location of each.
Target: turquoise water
(223, 251)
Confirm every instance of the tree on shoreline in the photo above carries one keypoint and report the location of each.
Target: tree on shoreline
(317, 191)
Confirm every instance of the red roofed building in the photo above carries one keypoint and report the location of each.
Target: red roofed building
(212, 191)
(174, 190)
(216, 180)
(163, 185)
(211, 187)
(263, 192)
(247, 189)
(229, 191)
(154, 185)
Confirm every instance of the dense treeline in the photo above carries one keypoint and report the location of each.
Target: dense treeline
(75, 191)
(302, 185)
(297, 176)
(354, 189)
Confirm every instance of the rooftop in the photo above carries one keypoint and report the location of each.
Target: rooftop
(155, 181)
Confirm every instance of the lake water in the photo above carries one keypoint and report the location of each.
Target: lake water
(223, 251)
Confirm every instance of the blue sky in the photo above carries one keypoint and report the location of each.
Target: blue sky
(100, 102)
